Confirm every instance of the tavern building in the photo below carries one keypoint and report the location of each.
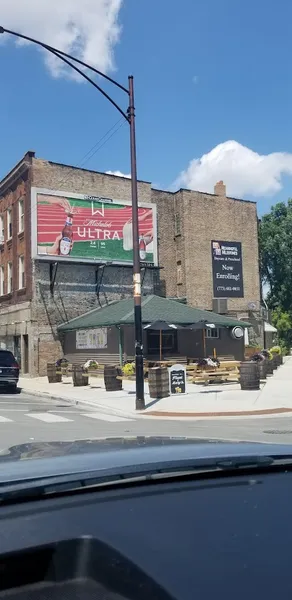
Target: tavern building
(65, 249)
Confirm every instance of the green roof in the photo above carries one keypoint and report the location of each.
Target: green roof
(154, 308)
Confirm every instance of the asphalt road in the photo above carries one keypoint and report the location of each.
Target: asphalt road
(25, 418)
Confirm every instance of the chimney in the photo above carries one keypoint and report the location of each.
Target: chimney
(220, 189)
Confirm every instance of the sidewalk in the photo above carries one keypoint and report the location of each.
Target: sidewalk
(225, 400)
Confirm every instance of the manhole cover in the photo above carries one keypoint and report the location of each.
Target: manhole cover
(278, 431)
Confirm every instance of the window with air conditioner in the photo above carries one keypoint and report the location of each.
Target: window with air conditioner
(9, 223)
(2, 279)
(20, 216)
(9, 278)
(21, 273)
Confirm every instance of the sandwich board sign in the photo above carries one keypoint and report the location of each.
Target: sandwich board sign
(177, 379)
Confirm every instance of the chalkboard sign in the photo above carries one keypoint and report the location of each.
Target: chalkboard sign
(177, 379)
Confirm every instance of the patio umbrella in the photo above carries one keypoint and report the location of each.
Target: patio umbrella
(161, 326)
(201, 326)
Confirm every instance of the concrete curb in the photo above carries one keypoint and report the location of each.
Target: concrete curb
(100, 407)
(242, 413)
(159, 414)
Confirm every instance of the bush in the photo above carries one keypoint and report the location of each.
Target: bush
(90, 364)
(275, 350)
(129, 369)
(62, 362)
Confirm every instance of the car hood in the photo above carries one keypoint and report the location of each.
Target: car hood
(99, 455)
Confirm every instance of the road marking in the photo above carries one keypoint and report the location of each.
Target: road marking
(104, 417)
(5, 420)
(48, 417)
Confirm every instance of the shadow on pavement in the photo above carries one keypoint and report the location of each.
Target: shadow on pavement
(6, 389)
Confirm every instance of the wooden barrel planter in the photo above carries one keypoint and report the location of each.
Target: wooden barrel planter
(249, 376)
(54, 373)
(112, 384)
(274, 362)
(270, 367)
(158, 381)
(263, 369)
(80, 378)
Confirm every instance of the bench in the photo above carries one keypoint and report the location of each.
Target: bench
(219, 376)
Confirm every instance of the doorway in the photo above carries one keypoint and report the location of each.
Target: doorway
(25, 365)
(17, 348)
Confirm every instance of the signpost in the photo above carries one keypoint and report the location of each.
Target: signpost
(227, 269)
(177, 379)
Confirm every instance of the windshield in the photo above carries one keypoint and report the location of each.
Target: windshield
(145, 275)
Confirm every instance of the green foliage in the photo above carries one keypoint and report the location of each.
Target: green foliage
(275, 242)
(276, 255)
(276, 350)
(129, 369)
(282, 320)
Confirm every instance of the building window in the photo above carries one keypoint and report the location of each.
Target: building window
(168, 342)
(212, 333)
(9, 223)
(20, 216)
(21, 275)
(2, 277)
(9, 278)
(2, 234)
(177, 225)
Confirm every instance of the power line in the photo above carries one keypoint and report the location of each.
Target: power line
(99, 144)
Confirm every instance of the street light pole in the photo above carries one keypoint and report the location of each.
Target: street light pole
(140, 403)
(130, 118)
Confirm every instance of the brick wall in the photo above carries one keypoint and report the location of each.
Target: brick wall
(60, 177)
(77, 286)
(19, 244)
(187, 222)
(166, 247)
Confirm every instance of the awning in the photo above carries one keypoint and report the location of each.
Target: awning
(268, 328)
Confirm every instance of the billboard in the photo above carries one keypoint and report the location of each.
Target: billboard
(70, 226)
(227, 269)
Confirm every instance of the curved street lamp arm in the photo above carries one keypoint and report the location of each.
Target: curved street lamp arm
(80, 62)
(56, 53)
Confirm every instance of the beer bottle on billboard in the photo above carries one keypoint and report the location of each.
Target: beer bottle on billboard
(142, 248)
(67, 236)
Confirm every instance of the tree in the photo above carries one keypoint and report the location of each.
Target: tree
(275, 242)
(283, 322)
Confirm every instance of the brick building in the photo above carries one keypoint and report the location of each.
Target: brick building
(188, 222)
(36, 297)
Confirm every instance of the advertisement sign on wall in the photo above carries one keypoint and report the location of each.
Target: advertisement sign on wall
(88, 228)
(91, 339)
(227, 269)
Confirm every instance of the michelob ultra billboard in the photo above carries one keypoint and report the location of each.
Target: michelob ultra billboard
(67, 226)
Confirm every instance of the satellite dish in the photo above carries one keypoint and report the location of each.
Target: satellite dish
(252, 305)
(237, 333)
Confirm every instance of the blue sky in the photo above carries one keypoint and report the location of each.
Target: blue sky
(207, 72)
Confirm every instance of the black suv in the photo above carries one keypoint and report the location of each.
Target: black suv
(9, 369)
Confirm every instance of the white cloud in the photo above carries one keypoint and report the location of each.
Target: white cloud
(245, 172)
(88, 29)
(119, 174)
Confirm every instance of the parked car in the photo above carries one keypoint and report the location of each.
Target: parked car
(9, 369)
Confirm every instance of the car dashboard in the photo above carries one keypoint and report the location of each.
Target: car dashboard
(201, 538)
